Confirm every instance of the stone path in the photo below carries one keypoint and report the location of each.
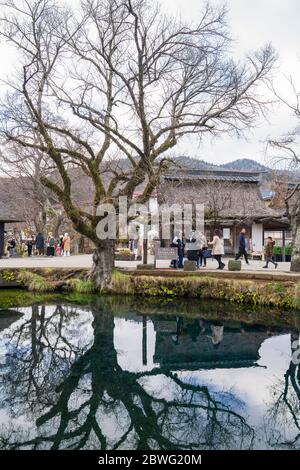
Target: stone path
(85, 261)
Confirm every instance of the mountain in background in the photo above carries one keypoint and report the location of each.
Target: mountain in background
(194, 163)
(242, 164)
(245, 164)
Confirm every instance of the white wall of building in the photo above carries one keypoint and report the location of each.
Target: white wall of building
(257, 237)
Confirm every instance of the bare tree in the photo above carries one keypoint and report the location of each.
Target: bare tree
(119, 78)
(282, 418)
(37, 204)
(284, 151)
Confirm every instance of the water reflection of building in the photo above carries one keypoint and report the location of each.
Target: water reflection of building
(193, 344)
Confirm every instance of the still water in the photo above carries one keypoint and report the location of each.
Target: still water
(118, 374)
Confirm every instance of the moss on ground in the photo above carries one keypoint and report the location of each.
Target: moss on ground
(13, 298)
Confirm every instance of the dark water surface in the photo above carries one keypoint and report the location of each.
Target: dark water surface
(123, 374)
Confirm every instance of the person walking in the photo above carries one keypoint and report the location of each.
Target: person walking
(242, 246)
(218, 248)
(67, 245)
(40, 244)
(269, 253)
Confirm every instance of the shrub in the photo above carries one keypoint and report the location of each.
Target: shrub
(39, 284)
(34, 282)
(8, 276)
(288, 250)
(82, 286)
(277, 250)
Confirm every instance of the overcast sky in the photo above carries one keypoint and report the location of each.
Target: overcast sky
(252, 24)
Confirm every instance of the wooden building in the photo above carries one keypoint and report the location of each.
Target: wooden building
(232, 200)
(5, 219)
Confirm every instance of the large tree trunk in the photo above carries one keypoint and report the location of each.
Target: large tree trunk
(103, 263)
(295, 225)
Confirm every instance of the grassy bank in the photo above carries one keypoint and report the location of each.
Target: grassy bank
(285, 295)
(280, 294)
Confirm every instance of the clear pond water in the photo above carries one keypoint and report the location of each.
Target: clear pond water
(121, 374)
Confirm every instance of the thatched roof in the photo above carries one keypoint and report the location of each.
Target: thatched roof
(233, 194)
(214, 175)
(8, 217)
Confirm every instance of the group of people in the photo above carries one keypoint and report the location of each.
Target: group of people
(268, 249)
(199, 249)
(49, 246)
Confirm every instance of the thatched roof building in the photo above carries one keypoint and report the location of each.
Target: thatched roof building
(231, 199)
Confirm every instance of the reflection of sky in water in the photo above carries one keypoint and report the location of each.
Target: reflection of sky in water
(247, 390)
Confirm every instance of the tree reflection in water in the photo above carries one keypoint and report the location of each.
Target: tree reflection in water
(282, 422)
(63, 380)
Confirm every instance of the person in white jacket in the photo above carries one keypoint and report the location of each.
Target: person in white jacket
(203, 247)
(218, 248)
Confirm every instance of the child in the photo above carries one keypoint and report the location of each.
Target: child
(269, 252)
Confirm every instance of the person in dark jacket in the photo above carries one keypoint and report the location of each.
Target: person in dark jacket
(242, 246)
(179, 243)
(40, 244)
(29, 244)
(11, 247)
(269, 253)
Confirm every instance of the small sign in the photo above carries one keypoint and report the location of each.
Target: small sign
(166, 253)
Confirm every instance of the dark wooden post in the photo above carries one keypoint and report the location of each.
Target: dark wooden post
(144, 340)
(283, 245)
(145, 248)
(1, 239)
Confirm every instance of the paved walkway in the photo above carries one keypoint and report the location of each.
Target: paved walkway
(85, 261)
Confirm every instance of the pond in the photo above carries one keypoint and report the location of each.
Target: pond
(119, 373)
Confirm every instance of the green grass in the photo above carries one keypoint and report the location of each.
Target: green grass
(81, 286)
